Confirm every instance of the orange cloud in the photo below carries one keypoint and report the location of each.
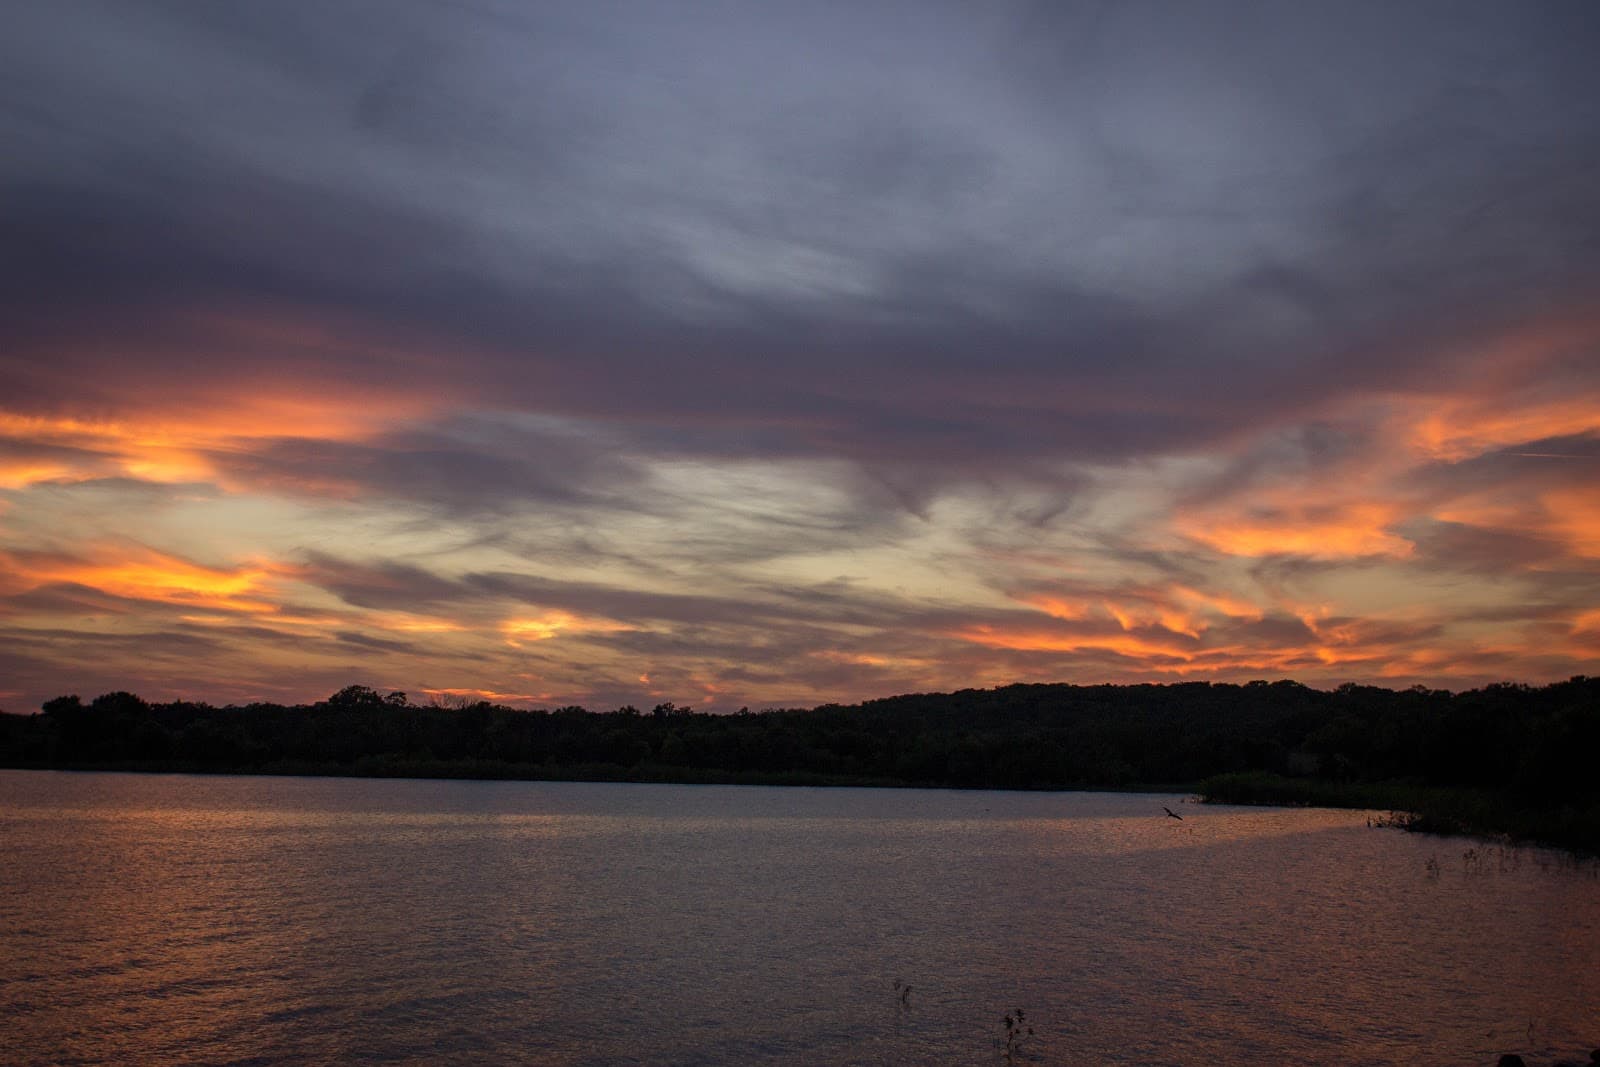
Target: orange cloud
(1193, 612)
(140, 573)
(1151, 655)
(1458, 428)
(554, 623)
(1326, 532)
(1221, 603)
(1056, 606)
(163, 446)
(1568, 516)
(869, 659)
(1575, 517)
(1024, 639)
(1520, 389)
(1528, 384)
(1178, 608)
(453, 695)
(23, 473)
(1323, 647)
(413, 624)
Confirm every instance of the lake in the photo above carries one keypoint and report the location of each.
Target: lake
(256, 920)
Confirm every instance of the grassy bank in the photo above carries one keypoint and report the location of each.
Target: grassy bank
(1423, 808)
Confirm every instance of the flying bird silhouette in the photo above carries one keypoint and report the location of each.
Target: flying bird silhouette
(1172, 813)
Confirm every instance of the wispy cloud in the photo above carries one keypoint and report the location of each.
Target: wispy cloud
(572, 353)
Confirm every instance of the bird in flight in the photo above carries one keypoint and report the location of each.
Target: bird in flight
(1172, 813)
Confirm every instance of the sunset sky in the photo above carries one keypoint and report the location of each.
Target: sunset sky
(759, 354)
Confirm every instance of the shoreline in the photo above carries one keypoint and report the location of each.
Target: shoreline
(1448, 811)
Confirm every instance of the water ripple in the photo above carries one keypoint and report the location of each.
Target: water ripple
(258, 921)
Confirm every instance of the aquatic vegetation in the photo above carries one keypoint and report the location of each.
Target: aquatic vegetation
(1446, 810)
(1019, 1035)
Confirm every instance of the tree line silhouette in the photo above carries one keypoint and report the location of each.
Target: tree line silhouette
(1533, 747)
(1541, 741)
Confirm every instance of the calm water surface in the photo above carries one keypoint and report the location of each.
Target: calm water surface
(179, 919)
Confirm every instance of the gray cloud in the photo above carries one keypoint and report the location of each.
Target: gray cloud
(891, 232)
(460, 470)
(382, 585)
